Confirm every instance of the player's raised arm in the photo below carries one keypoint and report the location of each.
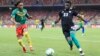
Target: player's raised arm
(81, 18)
(28, 16)
(78, 15)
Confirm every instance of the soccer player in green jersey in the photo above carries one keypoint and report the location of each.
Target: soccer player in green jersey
(19, 17)
(81, 25)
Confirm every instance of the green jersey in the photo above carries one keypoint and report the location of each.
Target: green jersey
(20, 16)
(81, 23)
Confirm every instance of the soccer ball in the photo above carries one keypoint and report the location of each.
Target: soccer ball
(49, 52)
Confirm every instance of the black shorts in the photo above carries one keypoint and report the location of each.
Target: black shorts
(66, 30)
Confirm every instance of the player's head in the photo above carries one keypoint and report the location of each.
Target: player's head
(19, 5)
(67, 4)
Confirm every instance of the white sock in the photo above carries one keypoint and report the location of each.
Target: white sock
(80, 49)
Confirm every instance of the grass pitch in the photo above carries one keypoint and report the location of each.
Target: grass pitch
(49, 38)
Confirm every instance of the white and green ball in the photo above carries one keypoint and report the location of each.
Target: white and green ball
(49, 52)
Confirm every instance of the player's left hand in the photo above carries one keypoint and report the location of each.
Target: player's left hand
(53, 24)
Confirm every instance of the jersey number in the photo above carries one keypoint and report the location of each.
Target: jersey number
(65, 14)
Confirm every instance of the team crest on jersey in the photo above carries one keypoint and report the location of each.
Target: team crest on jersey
(70, 11)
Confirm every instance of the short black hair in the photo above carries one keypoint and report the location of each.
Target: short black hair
(68, 2)
(18, 3)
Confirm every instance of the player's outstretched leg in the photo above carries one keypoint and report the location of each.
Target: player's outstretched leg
(78, 29)
(70, 43)
(72, 35)
(22, 45)
(29, 40)
(19, 37)
(69, 40)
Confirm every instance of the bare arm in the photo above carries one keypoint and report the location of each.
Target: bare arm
(28, 16)
(13, 20)
(80, 17)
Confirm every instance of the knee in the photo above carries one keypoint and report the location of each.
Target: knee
(19, 40)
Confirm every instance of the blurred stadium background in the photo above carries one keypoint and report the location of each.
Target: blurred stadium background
(41, 8)
(53, 37)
